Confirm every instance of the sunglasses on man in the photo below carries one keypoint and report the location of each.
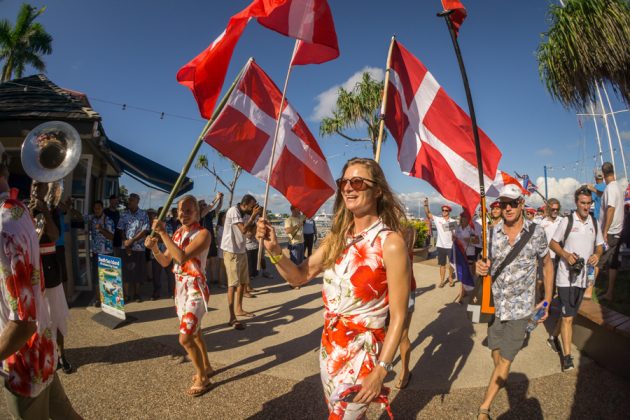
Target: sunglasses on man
(356, 182)
(512, 203)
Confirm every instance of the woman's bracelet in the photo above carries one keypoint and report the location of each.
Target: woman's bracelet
(275, 259)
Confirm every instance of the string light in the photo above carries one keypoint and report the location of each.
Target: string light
(123, 106)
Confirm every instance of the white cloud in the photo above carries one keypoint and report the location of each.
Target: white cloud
(327, 99)
(561, 189)
(545, 151)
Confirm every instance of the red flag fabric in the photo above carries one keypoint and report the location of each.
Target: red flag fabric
(309, 21)
(434, 135)
(244, 131)
(458, 15)
(501, 180)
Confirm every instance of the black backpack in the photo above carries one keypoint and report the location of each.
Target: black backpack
(567, 232)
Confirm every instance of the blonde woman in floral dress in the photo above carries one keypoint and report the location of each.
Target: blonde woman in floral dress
(188, 249)
(366, 276)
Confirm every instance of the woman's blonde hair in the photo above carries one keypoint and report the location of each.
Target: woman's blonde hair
(388, 208)
(189, 197)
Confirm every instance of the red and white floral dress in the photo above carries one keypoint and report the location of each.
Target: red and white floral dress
(191, 290)
(356, 304)
(31, 369)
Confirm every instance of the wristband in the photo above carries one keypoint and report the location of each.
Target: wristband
(275, 259)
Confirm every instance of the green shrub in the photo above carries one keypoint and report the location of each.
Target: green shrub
(422, 231)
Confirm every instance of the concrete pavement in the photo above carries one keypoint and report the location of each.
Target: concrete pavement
(270, 369)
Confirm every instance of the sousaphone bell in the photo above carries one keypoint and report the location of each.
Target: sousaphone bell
(50, 152)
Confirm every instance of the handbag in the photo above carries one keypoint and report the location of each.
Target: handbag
(480, 309)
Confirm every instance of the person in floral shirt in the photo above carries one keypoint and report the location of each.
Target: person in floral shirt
(27, 343)
(188, 250)
(101, 228)
(514, 289)
(366, 276)
(134, 224)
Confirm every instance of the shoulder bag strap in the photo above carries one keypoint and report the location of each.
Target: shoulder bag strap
(567, 232)
(515, 251)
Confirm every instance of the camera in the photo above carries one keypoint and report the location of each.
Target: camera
(577, 267)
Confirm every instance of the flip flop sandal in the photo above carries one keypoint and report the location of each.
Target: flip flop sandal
(247, 315)
(197, 390)
(403, 385)
(236, 325)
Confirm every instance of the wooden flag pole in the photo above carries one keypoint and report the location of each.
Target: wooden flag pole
(381, 124)
(473, 118)
(273, 152)
(193, 153)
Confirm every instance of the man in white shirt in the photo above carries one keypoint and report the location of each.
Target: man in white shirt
(236, 225)
(611, 222)
(579, 254)
(444, 225)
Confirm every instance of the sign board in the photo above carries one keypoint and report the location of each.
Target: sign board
(111, 286)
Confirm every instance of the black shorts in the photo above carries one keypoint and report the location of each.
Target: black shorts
(213, 251)
(570, 300)
(51, 271)
(610, 257)
(443, 255)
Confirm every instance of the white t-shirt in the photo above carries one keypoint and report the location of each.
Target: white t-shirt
(233, 240)
(550, 227)
(614, 198)
(464, 236)
(478, 228)
(581, 241)
(444, 234)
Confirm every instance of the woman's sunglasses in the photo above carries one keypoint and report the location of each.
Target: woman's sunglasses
(356, 182)
(512, 203)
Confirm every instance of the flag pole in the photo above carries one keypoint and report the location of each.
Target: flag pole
(273, 152)
(381, 124)
(193, 153)
(471, 109)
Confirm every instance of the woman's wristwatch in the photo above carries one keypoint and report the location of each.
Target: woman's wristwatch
(387, 366)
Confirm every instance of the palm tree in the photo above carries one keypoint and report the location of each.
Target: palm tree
(361, 105)
(588, 42)
(202, 163)
(23, 44)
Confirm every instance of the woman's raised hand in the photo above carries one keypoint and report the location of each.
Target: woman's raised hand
(159, 226)
(265, 231)
(151, 242)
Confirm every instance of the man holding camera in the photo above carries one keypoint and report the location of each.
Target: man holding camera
(578, 242)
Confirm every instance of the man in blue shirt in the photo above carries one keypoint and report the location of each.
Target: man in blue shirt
(101, 230)
(134, 224)
(597, 190)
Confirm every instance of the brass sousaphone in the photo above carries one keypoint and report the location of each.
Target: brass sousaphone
(50, 152)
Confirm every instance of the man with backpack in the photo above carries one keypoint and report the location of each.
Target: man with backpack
(578, 242)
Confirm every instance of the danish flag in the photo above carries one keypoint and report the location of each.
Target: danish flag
(434, 135)
(309, 21)
(244, 132)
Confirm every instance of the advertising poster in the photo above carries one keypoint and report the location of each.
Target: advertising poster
(111, 286)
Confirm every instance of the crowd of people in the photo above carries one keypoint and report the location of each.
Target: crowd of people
(368, 283)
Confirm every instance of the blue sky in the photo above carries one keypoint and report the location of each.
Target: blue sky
(129, 52)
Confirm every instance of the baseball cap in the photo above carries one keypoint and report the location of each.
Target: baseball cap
(494, 204)
(511, 192)
(448, 208)
(599, 175)
(530, 210)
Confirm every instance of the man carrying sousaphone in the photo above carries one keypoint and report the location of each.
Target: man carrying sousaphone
(514, 247)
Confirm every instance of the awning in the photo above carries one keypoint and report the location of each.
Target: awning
(146, 171)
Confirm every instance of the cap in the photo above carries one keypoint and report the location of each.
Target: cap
(446, 207)
(510, 191)
(599, 175)
(542, 208)
(530, 210)
(494, 204)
